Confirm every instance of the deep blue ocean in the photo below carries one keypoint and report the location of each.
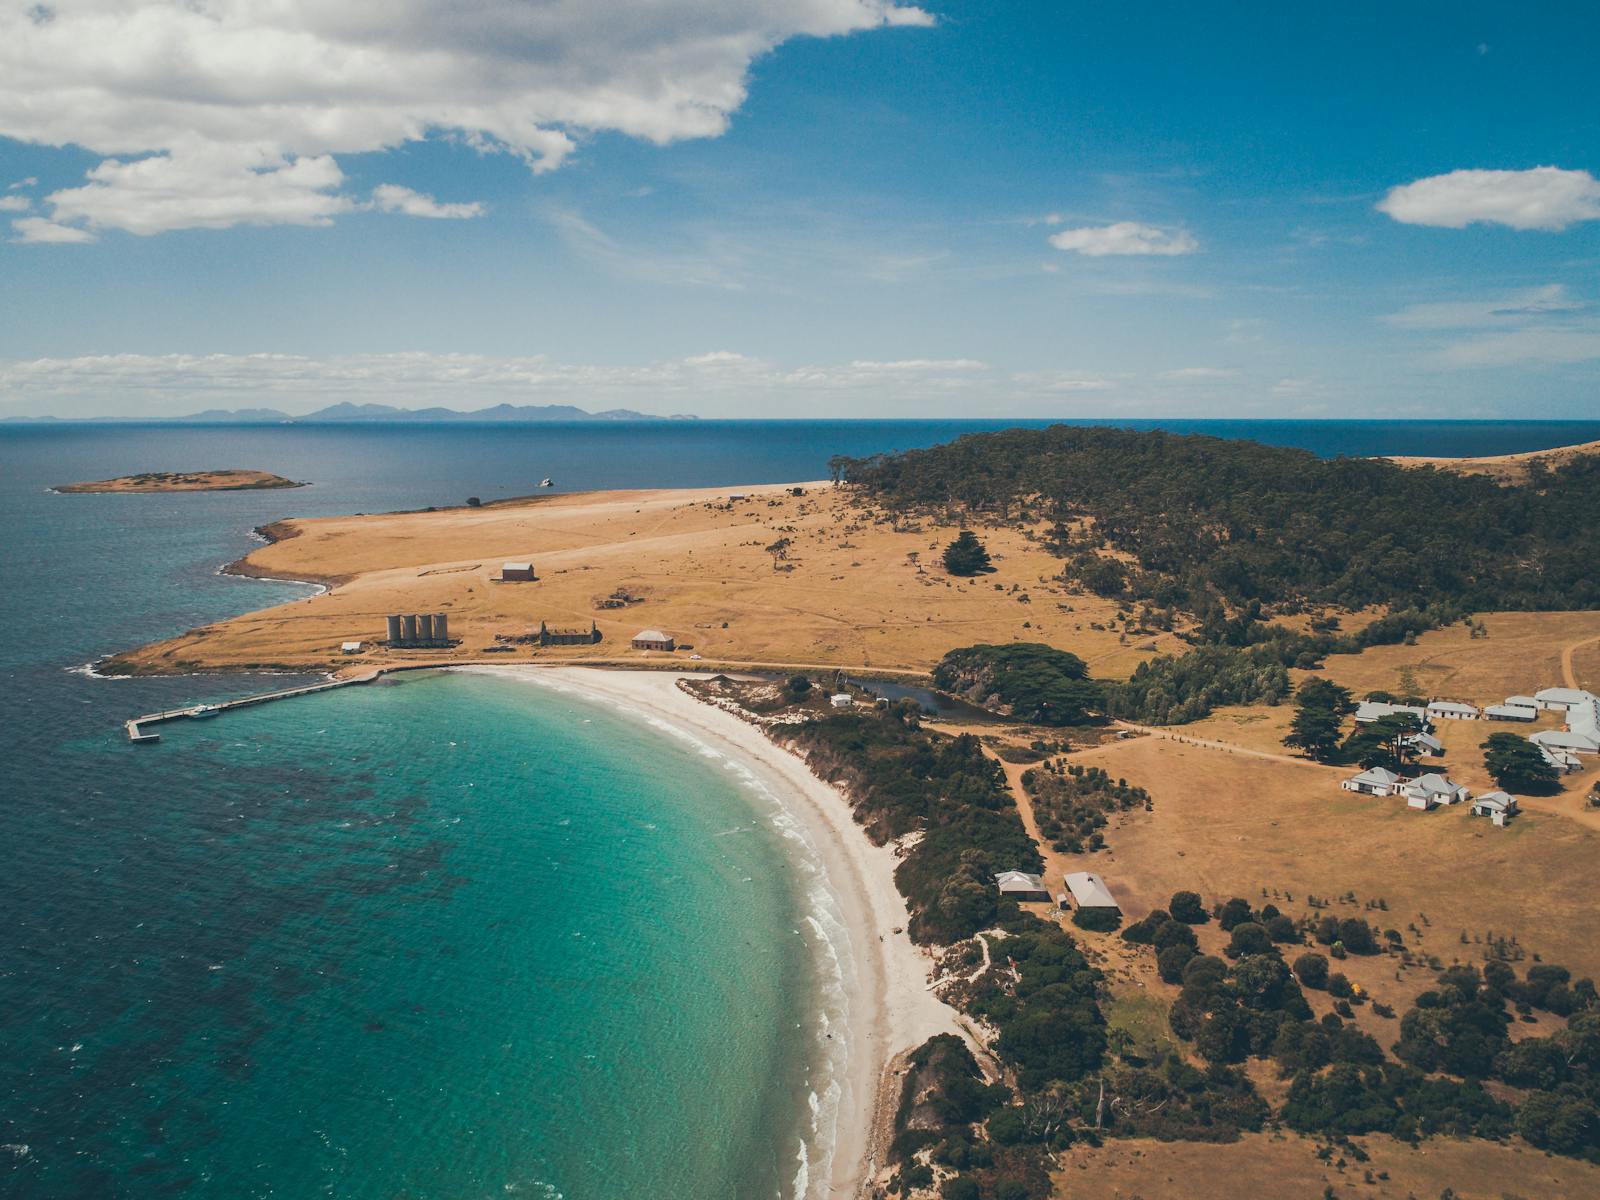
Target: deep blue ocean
(444, 938)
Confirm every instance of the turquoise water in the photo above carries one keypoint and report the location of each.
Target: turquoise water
(453, 937)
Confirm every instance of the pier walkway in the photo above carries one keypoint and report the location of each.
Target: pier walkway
(139, 735)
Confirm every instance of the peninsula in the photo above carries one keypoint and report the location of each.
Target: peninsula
(185, 481)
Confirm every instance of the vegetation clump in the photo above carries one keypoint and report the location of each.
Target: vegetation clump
(966, 555)
(1517, 765)
(1029, 680)
(1072, 804)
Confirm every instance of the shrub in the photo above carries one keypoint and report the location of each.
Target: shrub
(1234, 912)
(1170, 963)
(1312, 970)
(1282, 928)
(1339, 985)
(966, 555)
(1186, 907)
(1097, 920)
(1248, 938)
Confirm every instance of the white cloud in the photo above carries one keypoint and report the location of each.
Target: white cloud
(921, 364)
(1548, 325)
(1534, 345)
(243, 105)
(29, 182)
(204, 189)
(39, 230)
(391, 197)
(1530, 304)
(1547, 198)
(1061, 381)
(1192, 374)
(1125, 237)
(15, 204)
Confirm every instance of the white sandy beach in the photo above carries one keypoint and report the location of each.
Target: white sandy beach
(887, 1007)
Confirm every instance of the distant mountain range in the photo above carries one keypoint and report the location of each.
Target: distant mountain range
(383, 412)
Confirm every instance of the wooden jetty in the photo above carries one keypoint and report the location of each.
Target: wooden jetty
(139, 735)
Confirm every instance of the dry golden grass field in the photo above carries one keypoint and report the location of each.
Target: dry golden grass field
(1286, 1167)
(848, 590)
(1505, 468)
(1227, 824)
(1522, 653)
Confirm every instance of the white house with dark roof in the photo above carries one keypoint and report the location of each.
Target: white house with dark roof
(1374, 781)
(1431, 790)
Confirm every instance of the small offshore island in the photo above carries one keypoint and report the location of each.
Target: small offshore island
(1272, 838)
(185, 481)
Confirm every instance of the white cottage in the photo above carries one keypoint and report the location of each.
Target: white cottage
(1430, 790)
(1451, 710)
(1375, 781)
(1499, 807)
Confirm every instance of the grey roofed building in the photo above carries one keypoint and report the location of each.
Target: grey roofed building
(1567, 739)
(1452, 710)
(1499, 807)
(1560, 697)
(1562, 760)
(1019, 885)
(1089, 890)
(1426, 743)
(1432, 789)
(1522, 702)
(1375, 781)
(653, 639)
(1374, 710)
(1510, 712)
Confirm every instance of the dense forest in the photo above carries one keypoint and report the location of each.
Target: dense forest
(1201, 523)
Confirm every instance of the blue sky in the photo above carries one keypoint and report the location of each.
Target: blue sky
(1375, 210)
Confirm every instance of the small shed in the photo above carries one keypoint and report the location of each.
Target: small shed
(516, 572)
(653, 639)
(1376, 781)
(1019, 885)
(350, 648)
(1090, 891)
(841, 700)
